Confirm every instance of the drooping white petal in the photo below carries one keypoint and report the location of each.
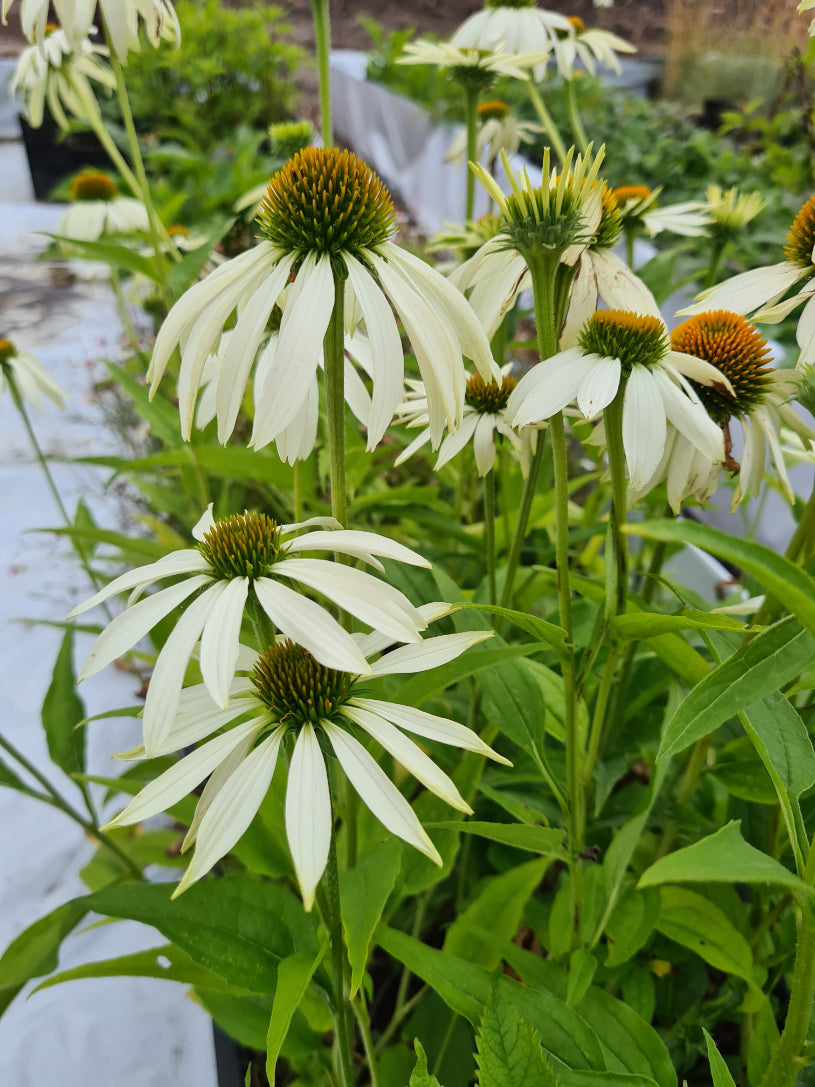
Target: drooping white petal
(643, 426)
(621, 288)
(548, 387)
(582, 302)
(233, 809)
(242, 348)
(429, 654)
(359, 544)
(204, 523)
(387, 358)
(746, 292)
(484, 443)
(430, 726)
(763, 415)
(378, 792)
(310, 625)
(698, 370)
(189, 561)
(376, 641)
(190, 728)
(308, 813)
(409, 754)
(315, 522)
(599, 387)
(133, 624)
(805, 334)
(164, 690)
(219, 777)
(174, 784)
(687, 413)
(755, 455)
(220, 640)
(454, 443)
(372, 601)
(493, 295)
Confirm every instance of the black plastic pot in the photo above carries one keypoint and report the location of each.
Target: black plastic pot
(52, 157)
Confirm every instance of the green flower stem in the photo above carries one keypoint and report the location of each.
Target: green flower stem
(576, 124)
(545, 118)
(599, 717)
(613, 419)
(717, 246)
(130, 332)
(630, 236)
(332, 916)
(334, 352)
(364, 1021)
(90, 826)
(690, 778)
(785, 1062)
(522, 521)
(489, 530)
(499, 341)
(322, 38)
(471, 107)
(503, 476)
(402, 1011)
(52, 486)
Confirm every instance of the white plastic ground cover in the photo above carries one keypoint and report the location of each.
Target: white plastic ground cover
(399, 140)
(133, 1032)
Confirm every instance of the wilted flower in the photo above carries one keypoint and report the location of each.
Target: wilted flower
(120, 18)
(628, 351)
(325, 219)
(97, 208)
(53, 72)
(29, 377)
(242, 561)
(288, 690)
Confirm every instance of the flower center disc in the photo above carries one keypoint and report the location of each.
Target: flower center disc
(493, 110)
(244, 545)
(92, 185)
(7, 350)
(611, 220)
(296, 688)
(327, 201)
(801, 238)
(488, 399)
(633, 338)
(734, 346)
(624, 193)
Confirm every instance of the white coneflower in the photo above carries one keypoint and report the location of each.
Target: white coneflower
(29, 377)
(591, 46)
(761, 291)
(556, 219)
(497, 131)
(97, 208)
(474, 67)
(506, 27)
(758, 397)
(248, 560)
(731, 210)
(121, 19)
(324, 215)
(639, 210)
(633, 351)
(288, 690)
(484, 423)
(56, 74)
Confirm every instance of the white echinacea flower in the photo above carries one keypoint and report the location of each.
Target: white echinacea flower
(484, 423)
(119, 17)
(478, 68)
(325, 218)
(97, 208)
(247, 561)
(639, 210)
(592, 46)
(56, 74)
(497, 131)
(758, 398)
(619, 349)
(519, 27)
(761, 291)
(28, 376)
(288, 690)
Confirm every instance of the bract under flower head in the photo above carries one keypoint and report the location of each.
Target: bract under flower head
(731, 210)
(326, 201)
(289, 691)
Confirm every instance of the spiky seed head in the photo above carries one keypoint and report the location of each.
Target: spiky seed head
(243, 545)
(93, 185)
(635, 339)
(298, 689)
(488, 399)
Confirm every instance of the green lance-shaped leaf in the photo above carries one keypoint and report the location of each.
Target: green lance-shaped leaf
(167, 962)
(756, 669)
(643, 624)
(723, 857)
(420, 1076)
(696, 923)
(293, 977)
(786, 581)
(364, 890)
(238, 927)
(36, 950)
(718, 1069)
(62, 711)
(546, 841)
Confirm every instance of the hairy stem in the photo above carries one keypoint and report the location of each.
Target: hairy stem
(322, 37)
